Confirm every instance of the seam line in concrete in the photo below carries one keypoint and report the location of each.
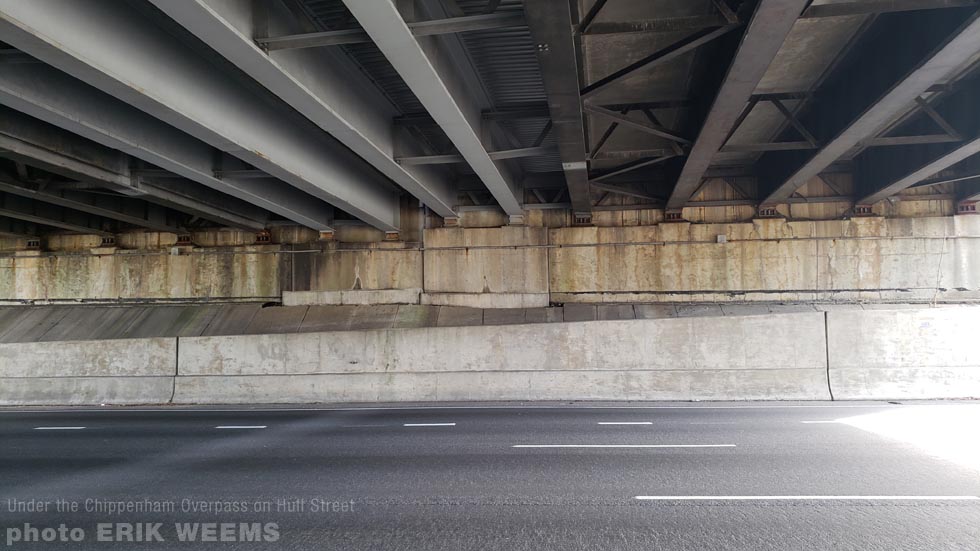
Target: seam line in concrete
(173, 388)
(826, 343)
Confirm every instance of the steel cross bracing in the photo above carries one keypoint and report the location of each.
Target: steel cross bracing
(842, 132)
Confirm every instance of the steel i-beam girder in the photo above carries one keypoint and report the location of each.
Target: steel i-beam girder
(119, 49)
(767, 30)
(63, 101)
(430, 76)
(550, 24)
(323, 85)
(33, 142)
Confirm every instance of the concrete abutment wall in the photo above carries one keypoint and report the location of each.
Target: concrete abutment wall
(862, 259)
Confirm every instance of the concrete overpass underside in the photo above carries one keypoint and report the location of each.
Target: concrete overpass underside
(398, 195)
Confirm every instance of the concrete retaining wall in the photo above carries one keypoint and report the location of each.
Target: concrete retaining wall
(904, 354)
(746, 358)
(132, 371)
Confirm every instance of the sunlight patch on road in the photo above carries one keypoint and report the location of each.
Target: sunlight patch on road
(947, 432)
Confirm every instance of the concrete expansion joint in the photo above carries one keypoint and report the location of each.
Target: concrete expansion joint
(173, 388)
(826, 342)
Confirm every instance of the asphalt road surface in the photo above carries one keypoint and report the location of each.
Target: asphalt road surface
(651, 476)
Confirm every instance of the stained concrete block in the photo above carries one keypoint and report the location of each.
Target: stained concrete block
(892, 306)
(383, 296)
(416, 316)
(172, 321)
(697, 310)
(655, 311)
(11, 316)
(580, 312)
(282, 354)
(544, 315)
(101, 358)
(507, 260)
(80, 391)
(328, 318)
(838, 307)
(353, 297)
(503, 316)
(791, 308)
(487, 300)
(904, 354)
(373, 317)
(371, 266)
(130, 371)
(310, 298)
(459, 316)
(93, 322)
(744, 309)
(32, 326)
(615, 312)
(231, 319)
(277, 319)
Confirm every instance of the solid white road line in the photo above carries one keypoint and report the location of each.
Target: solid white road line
(625, 423)
(623, 446)
(240, 427)
(58, 428)
(809, 498)
(429, 425)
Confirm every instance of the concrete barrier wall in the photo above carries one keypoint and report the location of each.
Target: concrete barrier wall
(904, 354)
(131, 371)
(766, 357)
(921, 353)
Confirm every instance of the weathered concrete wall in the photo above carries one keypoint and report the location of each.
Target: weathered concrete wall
(112, 274)
(904, 354)
(486, 267)
(375, 266)
(862, 259)
(779, 357)
(134, 371)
